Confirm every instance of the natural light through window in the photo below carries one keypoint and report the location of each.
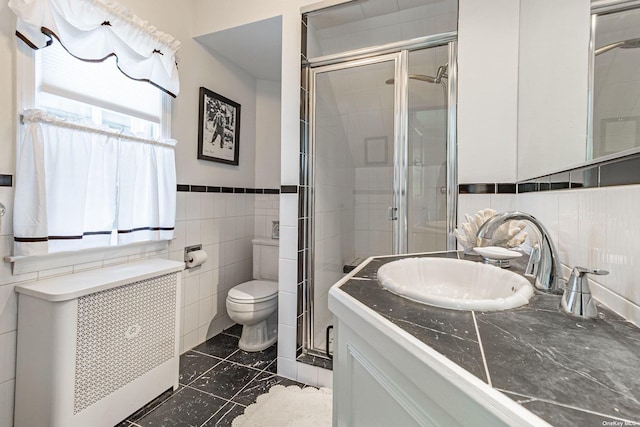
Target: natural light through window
(97, 91)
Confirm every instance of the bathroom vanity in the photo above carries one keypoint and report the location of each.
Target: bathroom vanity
(399, 362)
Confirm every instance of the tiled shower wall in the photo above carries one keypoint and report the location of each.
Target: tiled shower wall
(223, 223)
(333, 212)
(373, 196)
(595, 228)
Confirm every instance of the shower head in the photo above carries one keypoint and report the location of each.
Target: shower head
(440, 74)
(420, 77)
(624, 44)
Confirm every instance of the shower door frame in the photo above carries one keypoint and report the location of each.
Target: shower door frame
(399, 54)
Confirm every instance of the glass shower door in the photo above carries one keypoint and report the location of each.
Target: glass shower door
(382, 174)
(428, 114)
(353, 178)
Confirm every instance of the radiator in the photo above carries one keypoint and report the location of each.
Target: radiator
(94, 347)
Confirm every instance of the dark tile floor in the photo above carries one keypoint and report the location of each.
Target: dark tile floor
(217, 381)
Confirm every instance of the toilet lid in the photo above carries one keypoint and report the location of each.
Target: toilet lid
(254, 291)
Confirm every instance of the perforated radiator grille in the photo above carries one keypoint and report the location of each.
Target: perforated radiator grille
(123, 333)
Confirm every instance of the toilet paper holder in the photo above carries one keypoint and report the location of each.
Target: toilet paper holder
(188, 249)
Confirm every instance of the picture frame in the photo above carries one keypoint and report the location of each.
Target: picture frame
(218, 128)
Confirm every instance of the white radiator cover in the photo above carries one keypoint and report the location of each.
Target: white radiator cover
(96, 346)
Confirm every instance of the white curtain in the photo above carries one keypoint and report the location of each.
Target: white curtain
(146, 192)
(78, 187)
(95, 29)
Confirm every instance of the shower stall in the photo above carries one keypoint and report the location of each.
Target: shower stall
(381, 165)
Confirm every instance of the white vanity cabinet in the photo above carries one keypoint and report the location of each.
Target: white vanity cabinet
(383, 376)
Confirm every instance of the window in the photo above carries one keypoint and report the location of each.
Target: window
(98, 92)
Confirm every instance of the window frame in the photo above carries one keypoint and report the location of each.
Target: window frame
(26, 84)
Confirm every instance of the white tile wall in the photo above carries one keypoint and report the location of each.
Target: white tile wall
(373, 196)
(267, 210)
(224, 224)
(307, 374)
(287, 286)
(595, 228)
(287, 367)
(287, 307)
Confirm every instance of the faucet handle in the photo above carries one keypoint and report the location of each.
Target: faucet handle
(583, 270)
(578, 280)
(577, 299)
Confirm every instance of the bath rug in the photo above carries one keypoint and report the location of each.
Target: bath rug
(289, 407)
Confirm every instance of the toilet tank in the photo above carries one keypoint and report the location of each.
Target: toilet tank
(265, 259)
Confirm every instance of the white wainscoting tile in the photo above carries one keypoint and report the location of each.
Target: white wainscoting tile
(288, 275)
(206, 206)
(289, 209)
(593, 232)
(289, 242)
(181, 205)
(623, 240)
(190, 318)
(287, 308)
(471, 203)
(504, 202)
(570, 245)
(193, 203)
(218, 205)
(325, 378)
(206, 311)
(286, 341)
(308, 374)
(191, 290)
(192, 232)
(287, 368)
(189, 341)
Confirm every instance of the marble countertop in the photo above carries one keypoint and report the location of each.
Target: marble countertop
(566, 370)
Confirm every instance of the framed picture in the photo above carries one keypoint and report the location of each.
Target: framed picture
(218, 128)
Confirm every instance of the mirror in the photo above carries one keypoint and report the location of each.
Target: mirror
(568, 115)
(616, 84)
(552, 85)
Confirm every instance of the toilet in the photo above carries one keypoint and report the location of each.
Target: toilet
(254, 304)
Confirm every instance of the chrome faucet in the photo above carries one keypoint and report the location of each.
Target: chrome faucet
(543, 264)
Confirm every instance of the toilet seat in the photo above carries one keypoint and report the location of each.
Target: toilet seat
(254, 291)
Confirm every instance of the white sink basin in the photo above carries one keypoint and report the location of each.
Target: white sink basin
(455, 284)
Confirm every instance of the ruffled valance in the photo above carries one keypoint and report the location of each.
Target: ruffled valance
(93, 30)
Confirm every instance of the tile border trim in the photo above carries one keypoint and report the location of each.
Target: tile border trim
(610, 173)
(289, 189)
(6, 180)
(189, 188)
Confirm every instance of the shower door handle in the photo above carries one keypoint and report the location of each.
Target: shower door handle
(391, 211)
